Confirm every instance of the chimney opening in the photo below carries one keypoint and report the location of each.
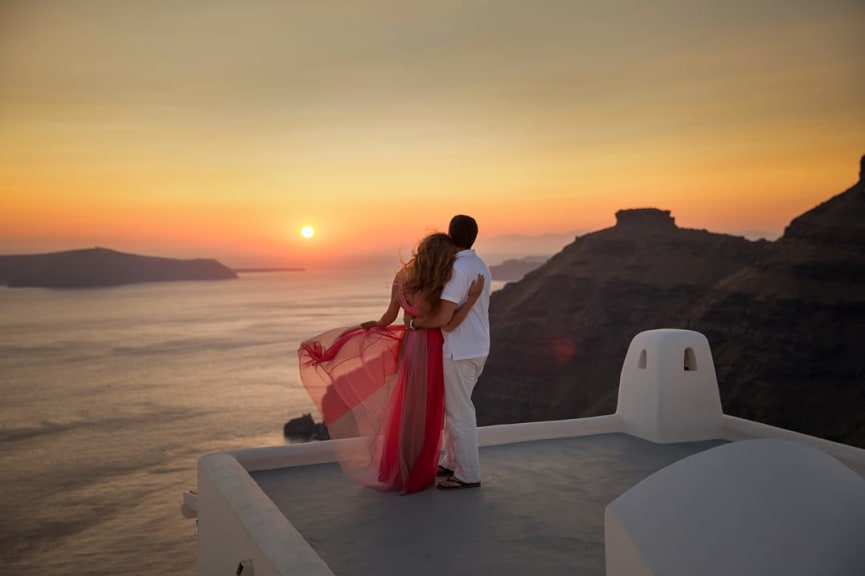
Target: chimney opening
(690, 360)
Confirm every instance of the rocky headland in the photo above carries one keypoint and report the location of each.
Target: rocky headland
(785, 319)
(98, 267)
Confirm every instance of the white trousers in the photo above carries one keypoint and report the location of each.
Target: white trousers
(461, 426)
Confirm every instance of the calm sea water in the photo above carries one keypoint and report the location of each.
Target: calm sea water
(109, 397)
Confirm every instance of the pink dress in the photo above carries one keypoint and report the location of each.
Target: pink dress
(384, 388)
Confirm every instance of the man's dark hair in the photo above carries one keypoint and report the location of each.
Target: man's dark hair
(463, 231)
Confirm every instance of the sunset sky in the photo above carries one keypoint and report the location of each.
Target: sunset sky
(209, 128)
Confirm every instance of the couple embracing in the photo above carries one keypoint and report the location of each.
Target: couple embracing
(394, 386)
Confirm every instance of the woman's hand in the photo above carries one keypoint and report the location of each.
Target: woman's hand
(365, 326)
(477, 288)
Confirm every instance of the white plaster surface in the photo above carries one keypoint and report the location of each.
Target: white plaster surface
(239, 523)
(755, 507)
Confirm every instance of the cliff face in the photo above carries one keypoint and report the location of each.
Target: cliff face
(101, 267)
(787, 331)
(785, 319)
(560, 335)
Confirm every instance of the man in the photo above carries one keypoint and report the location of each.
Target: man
(465, 351)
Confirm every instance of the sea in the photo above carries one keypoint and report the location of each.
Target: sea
(110, 396)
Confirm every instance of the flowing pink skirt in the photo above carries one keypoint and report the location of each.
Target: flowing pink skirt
(383, 387)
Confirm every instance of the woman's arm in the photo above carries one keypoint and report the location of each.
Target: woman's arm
(390, 314)
(460, 313)
(448, 316)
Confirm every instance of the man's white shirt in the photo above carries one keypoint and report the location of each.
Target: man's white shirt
(471, 339)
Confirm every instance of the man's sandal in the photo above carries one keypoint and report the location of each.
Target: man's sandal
(454, 483)
(445, 472)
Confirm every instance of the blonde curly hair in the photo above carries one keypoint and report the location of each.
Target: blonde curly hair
(430, 268)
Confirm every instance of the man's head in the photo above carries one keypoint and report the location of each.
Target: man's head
(463, 230)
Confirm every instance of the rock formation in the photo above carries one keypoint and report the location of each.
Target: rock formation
(559, 335)
(305, 428)
(785, 319)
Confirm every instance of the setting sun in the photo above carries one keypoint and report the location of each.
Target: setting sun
(112, 135)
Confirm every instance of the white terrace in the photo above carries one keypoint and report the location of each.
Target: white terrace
(666, 485)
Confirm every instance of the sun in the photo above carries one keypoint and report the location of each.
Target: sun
(307, 231)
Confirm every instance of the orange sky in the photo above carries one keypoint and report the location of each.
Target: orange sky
(209, 128)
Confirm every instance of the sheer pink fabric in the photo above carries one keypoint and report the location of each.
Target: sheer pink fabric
(384, 385)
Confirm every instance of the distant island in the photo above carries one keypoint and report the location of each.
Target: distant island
(255, 270)
(101, 267)
(514, 269)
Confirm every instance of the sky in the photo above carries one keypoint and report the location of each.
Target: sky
(209, 128)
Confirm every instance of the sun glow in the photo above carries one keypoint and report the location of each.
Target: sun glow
(307, 231)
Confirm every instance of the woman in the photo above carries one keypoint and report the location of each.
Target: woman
(383, 382)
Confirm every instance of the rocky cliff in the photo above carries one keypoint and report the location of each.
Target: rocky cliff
(786, 319)
(101, 267)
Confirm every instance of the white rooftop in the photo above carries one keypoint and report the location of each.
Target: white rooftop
(662, 486)
(540, 510)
